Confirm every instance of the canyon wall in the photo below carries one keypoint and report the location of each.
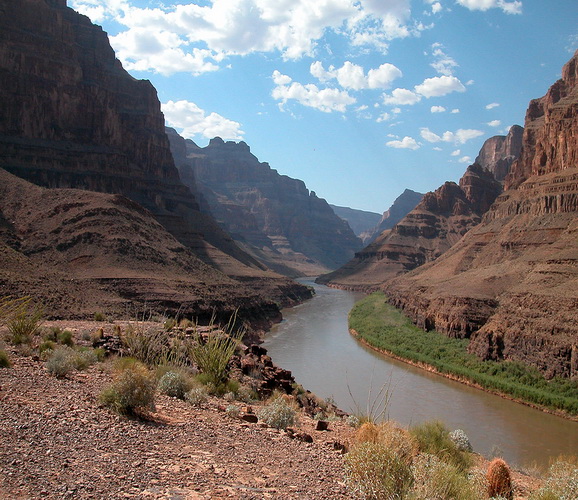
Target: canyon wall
(511, 284)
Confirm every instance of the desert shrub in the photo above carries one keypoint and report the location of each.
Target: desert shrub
(352, 421)
(11, 307)
(51, 333)
(175, 384)
(397, 439)
(65, 337)
(213, 354)
(84, 357)
(374, 472)
(154, 347)
(169, 324)
(561, 482)
(434, 479)
(197, 396)
(24, 324)
(434, 438)
(99, 316)
(278, 414)
(4, 359)
(233, 411)
(45, 347)
(461, 440)
(132, 391)
(367, 433)
(247, 394)
(499, 479)
(61, 362)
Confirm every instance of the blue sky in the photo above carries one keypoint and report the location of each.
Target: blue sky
(358, 98)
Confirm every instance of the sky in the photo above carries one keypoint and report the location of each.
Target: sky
(360, 99)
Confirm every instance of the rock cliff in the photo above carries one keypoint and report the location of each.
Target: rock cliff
(360, 221)
(511, 284)
(72, 117)
(272, 216)
(499, 152)
(401, 206)
(431, 228)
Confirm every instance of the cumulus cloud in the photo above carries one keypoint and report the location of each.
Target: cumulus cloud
(494, 123)
(443, 63)
(352, 76)
(405, 143)
(465, 159)
(401, 97)
(457, 152)
(193, 121)
(455, 111)
(326, 100)
(437, 109)
(460, 136)
(436, 7)
(514, 7)
(492, 105)
(225, 28)
(439, 86)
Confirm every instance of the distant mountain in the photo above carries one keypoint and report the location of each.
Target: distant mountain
(72, 117)
(511, 284)
(271, 216)
(401, 206)
(359, 220)
(439, 220)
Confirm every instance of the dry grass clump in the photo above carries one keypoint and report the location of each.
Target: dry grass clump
(561, 482)
(133, 389)
(499, 479)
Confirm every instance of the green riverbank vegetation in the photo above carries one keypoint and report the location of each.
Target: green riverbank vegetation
(385, 328)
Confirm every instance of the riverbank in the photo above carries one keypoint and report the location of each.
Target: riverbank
(383, 328)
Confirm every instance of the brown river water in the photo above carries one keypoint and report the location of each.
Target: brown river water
(313, 342)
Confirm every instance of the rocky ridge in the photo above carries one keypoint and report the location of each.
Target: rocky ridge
(272, 216)
(511, 283)
(430, 229)
(359, 221)
(74, 118)
(499, 152)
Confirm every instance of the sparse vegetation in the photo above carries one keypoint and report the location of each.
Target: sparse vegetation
(24, 323)
(561, 482)
(197, 396)
(99, 316)
(132, 391)
(175, 384)
(278, 413)
(384, 327)
(65, 337)
(4, 359)
(60, 363)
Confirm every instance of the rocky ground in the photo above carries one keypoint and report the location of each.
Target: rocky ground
(58, 442)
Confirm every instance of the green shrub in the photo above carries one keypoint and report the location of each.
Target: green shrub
(99, 316)
(65, 337)
(85, 357)
(278, 414)
(373, 471)
(61, 362)
(45, 347)
(434, 438)
(132, 391)
(197, 396)
(561, 482)
(175, 384)
(11, 307)
(154, 347)
(4, 359)
(441, 481)
(24, 324)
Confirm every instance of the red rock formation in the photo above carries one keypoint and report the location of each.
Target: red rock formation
(278, 218)
(511, 284)
(499, 152)
(431, 228)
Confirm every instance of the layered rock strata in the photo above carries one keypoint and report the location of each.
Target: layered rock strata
(273, 216)
(499, 152)
(511, 284)
(431, 228)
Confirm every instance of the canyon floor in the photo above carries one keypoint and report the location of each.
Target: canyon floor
(59, 442)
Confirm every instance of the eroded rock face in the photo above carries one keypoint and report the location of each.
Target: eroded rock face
(72, 117)
(285, 224)
(360, 221)
(499, 152)
(511, 284)
(430, 229)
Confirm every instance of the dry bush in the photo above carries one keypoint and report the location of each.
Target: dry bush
(561, 482)
(499, 479)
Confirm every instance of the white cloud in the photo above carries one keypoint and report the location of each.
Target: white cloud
(401, 97)
(514, 7)
(384, 117)
(457, 152)
(460, 136)
(437, 148)
(437, 109)
(352, 76)
(465, 159)
(194, 121)
(454, 111)
(494, 123)
(443, 63)
(492, 105)
(326, 100)
(436, 7)
(405, 143)
(439, 86)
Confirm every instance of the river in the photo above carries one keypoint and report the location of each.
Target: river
(313, 342)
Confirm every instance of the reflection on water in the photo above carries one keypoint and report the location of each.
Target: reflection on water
(314, 343)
